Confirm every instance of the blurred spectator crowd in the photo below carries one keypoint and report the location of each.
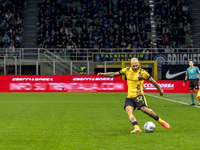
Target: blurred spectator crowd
(94, 24)
(99, 24)
(173, 24)
(112, 24)
(11, 24)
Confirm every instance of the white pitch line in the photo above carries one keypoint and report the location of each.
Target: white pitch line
(171, 100)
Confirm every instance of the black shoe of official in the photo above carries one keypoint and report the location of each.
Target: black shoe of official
(192, 104)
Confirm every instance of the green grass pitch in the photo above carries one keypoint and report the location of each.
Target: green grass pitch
(93, 121)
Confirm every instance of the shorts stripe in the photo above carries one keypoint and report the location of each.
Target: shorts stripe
(145, 101)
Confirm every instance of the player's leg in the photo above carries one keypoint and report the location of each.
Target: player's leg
(152, 114)
(129, 111)
(191, 88)
(192, 97)
(141, 104)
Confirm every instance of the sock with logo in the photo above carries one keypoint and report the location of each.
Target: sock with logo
(192, 98)
(135, 125)
(158, 119)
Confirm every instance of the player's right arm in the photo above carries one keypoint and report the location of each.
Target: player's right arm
(114, 74)
(109, 74)
(186, 77)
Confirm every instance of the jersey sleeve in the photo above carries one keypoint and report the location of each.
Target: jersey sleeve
(198, 71)
(187, 74)
(123, 71)
(145, 75)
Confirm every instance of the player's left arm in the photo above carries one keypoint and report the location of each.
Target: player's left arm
(147, 76)
(198, 74)
(199, 78)
(161, 92)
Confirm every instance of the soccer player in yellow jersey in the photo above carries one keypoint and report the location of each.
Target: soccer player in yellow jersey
(135, 79)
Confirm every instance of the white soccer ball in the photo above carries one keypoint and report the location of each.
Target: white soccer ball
(149, 126)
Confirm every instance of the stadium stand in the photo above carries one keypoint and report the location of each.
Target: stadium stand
(92, 30)
(173, 24)
(97, 24)
(94, 24)
(11, 24)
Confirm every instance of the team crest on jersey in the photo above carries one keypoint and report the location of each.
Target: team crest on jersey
(132, 76)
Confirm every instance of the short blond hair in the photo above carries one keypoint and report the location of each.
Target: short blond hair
(134, 59)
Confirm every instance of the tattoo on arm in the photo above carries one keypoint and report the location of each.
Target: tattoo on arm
(154, 83)
(112, 74)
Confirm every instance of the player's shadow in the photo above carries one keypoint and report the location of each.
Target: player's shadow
(126, 132)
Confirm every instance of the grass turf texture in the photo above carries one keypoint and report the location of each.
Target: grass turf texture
(93, 121)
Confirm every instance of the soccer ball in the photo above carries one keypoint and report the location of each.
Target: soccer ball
(149, 126)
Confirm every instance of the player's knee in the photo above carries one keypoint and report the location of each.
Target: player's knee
(143, 109)
(146, 110)
(129, 108)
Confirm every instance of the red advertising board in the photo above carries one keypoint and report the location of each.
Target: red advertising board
(168, 86)
(79, 83)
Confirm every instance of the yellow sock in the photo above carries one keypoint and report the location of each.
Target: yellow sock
(136, 126)
(160, 120)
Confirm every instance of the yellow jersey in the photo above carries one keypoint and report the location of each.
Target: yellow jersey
(135, 81)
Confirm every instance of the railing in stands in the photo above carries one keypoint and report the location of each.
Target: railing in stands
(65, 62)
